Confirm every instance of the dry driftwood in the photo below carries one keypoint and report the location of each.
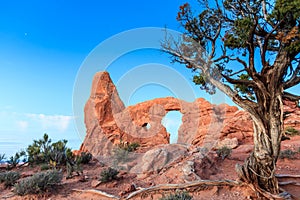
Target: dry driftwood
(185, 185)
(287, 176)
(98, 192)
(289, 183)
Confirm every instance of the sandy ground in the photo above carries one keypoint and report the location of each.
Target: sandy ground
(220, 169)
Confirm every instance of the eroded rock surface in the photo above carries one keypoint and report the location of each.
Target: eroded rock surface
(109, 122)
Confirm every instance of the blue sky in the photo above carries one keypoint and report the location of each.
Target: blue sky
(42, 46)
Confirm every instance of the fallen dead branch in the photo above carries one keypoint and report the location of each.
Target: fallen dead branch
(98, 192)
(185, 185)
(289, 183)
(287, 176)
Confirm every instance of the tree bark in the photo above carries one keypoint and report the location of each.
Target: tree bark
(259, 167)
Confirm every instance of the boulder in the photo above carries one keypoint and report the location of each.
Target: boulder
(158, 157)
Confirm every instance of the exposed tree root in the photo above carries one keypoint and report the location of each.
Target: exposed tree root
(282, 196)
(98, 192)
(185, 185)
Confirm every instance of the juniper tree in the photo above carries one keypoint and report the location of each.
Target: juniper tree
(249, 50)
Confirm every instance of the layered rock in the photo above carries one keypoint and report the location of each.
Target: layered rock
(108, 122)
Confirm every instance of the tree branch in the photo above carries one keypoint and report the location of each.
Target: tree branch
(291, 97)
(294, 80)
(205, 68)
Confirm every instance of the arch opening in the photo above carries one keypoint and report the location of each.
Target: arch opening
(172, 121)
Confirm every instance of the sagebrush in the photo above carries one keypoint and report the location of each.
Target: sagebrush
(108, 175)
(178, 196)
(38, 183)
(224, 152)
(9, 178)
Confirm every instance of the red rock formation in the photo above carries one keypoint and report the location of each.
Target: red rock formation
(108, 122)
(291, 115)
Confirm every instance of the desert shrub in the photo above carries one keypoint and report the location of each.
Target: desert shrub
(287, 154)
(224, 152)
(178, 196)
(44, 151)
(38, 152)
(120, 155)
(108, 175)
(58, 152)
(74, 166)
(14, 160)
(85, 157)
(9, 178)
(291, 131)
(45, 167)
(38, 183)
(130, 147)
(121, 151)
(2, 157)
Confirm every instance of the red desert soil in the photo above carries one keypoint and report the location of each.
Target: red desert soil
(218, 169)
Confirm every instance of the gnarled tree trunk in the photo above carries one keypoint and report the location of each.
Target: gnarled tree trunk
(259, 167)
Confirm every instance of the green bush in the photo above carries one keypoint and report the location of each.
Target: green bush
(178, 196)
(9, 178)
(74, 166)
(2, 157)
(85, 157)
(45, 167)
(291, 131)
(287, 154)
(38, 183)
(38, 152)
(130, 147)
(14, 160)
(108, 175)
(120, 155)
(44, 151)
(224, 152)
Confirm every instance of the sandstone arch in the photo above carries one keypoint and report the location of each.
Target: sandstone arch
(108, 121)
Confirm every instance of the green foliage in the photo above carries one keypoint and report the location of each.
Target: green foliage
(238, 36)
(44, 167)
(58, 152)
(287, 154)
(244, 89)
(121, 152)
(38, 183)
(44, 151)
(2, 157)
(14, 160)
(291, 131)
(108, 175)
(75, 165)
(120, 155)
(130, 147)
(85, 157)
(224, 152)
(9, 178)
(39, 151)
(177, 196)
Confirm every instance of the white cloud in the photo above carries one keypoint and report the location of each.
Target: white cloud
(58, 122)
(23, 125)
(12, 121)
